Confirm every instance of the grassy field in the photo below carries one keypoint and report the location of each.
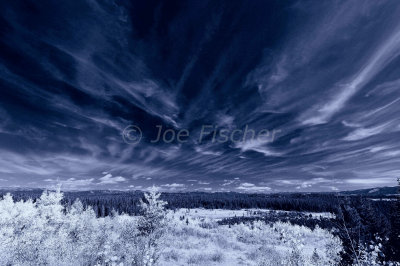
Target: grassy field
(195, 238)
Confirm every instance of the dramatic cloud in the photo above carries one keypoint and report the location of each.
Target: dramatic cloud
(321, 77)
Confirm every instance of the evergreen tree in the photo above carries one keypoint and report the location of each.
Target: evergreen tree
(152, 225)
(395, 236)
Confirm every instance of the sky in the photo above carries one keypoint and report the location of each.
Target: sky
(85, 87)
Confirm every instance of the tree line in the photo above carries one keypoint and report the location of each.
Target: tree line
(359, 219)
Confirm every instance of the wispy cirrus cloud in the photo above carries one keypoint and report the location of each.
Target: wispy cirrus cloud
(388, 50)
(325, 75)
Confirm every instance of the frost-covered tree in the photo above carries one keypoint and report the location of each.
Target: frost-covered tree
(153, 213)
(46, 233)
(152, 225)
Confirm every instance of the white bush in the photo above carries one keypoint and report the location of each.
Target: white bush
(44, 233)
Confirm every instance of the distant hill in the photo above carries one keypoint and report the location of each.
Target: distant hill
(372, 192)
(379, 191)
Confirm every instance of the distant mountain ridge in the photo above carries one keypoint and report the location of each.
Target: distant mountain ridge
(379, 191)
(373, 192)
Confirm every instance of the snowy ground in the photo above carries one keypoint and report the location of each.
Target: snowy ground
(195, 238)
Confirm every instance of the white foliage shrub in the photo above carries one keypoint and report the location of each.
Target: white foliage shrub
(44, 233)
(371, 254)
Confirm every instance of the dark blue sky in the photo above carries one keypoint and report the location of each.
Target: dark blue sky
(324, 74)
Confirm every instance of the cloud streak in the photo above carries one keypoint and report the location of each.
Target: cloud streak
(324, 74)
(388, 51)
